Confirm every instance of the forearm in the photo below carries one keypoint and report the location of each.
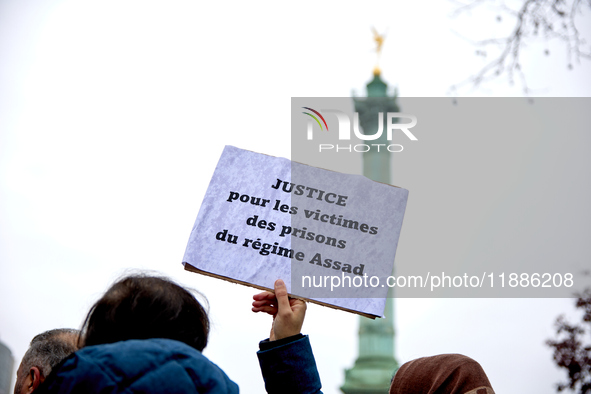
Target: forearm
(288, 366)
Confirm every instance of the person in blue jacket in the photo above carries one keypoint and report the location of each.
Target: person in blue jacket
(146, 334)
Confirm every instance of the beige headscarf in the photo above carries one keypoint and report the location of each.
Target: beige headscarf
(442, 374)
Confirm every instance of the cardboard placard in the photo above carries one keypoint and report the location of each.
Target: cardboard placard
(264, 218)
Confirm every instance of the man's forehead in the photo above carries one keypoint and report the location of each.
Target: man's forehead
(20, 371)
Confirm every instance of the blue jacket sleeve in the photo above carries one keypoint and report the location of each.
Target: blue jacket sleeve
(288, 366)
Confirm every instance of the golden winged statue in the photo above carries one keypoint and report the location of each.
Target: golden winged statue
(379, 39)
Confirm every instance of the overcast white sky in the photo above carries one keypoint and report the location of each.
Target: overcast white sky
(113, 115)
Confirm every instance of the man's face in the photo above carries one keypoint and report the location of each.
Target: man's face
(20, 380)
(27, 379)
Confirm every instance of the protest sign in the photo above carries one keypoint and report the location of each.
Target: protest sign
(331, 237)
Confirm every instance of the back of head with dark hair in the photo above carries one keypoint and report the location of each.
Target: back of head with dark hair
(142, 307)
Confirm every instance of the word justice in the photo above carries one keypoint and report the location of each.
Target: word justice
(320, 195)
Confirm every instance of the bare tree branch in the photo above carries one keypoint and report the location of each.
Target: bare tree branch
(550, 19)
